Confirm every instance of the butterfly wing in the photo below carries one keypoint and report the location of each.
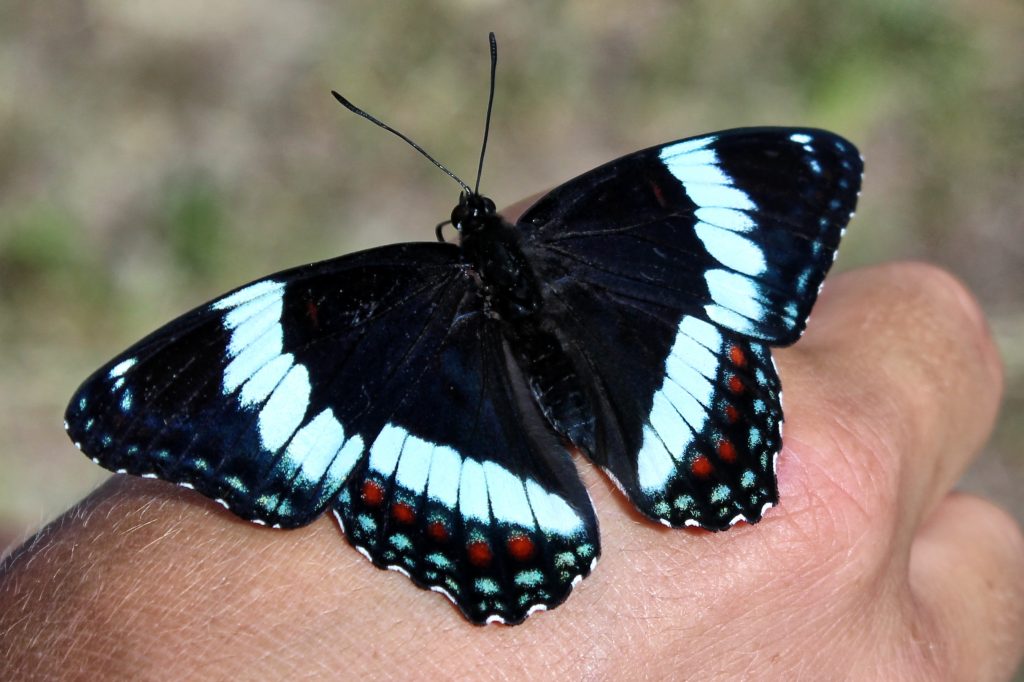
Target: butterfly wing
(738, 227)
(688, 414)
(299, 391)
(233, 397)
(702, 253)
(467, 490)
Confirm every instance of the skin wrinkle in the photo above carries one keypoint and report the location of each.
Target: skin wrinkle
(813, 518)
(721, 630)
(807, 522)
(773, 614)
(859, 435)
(872, 489)
(867, 536)
(860, 474)
(821, 514)
(602, 641)
(869, 442)
(580, 661)
(870, 630)
(794, 651)
(922, 654)
(833, 590)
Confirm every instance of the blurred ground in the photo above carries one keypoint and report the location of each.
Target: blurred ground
(154, 154)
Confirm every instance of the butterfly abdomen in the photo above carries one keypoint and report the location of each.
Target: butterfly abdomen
(553, 381)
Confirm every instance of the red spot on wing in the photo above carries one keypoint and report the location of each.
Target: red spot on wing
(732, 414)
(659, 195)
(521, 547)
(726, 450)
(479, 552)
(437, 531)
(372, 494)
(700, 466)
(313, 312)
(403, 513)
(738, 357)
(735, 384)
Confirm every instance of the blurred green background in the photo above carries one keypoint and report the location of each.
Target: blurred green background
(155, 154)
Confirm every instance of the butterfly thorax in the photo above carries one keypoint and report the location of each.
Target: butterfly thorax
(490, 246)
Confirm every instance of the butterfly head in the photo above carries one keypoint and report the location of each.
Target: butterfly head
(473, 212)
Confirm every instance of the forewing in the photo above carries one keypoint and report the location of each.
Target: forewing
(738, 228)
(256, 399)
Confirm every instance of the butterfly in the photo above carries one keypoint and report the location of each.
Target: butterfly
(431, 395)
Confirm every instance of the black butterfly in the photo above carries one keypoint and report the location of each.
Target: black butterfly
(430, 394)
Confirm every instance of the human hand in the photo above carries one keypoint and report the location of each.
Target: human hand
(868, 569)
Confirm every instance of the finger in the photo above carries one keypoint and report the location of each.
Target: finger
(965, 570)
(512, 212)
(898, 382)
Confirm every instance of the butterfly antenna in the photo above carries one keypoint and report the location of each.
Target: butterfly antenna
(490, 105)
(356, 110)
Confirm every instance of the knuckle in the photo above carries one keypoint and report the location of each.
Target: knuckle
(949, 317)
(1007, 535)
(942, 291)
(983, 604)
(937, 343)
